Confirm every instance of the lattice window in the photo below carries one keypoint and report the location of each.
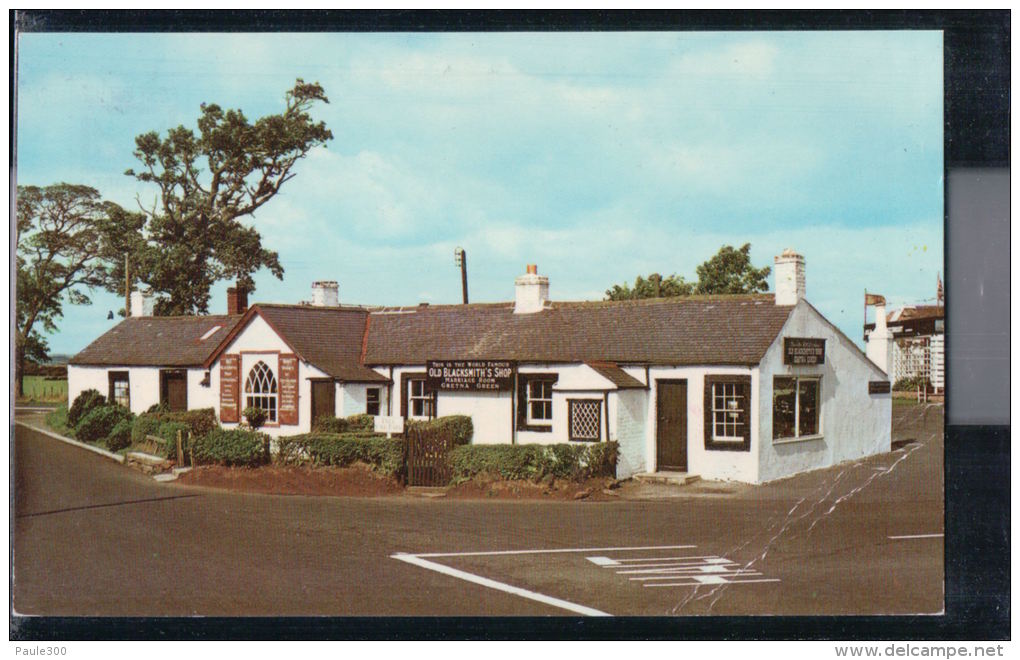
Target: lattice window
(585, 420)
(260, 390)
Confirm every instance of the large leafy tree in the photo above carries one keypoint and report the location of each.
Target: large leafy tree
(654, 286)
(63, 248)
(192, 236)
(729, 271)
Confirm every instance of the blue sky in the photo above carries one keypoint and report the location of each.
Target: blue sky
(598, 156)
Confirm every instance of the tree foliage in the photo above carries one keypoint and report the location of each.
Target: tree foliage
(654, 286)
(729, 271)
(63, 246)
(191, 236)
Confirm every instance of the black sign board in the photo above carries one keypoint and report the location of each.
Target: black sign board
(879, 387)
(803, 350)
(470, 375)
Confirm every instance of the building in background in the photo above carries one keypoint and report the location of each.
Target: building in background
(909, 342)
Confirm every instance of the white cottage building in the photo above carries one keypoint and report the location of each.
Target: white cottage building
(749, 388)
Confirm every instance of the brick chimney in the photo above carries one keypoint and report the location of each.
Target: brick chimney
(790, 283)
(531, 291)
(237, 300)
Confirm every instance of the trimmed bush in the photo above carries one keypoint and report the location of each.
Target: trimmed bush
(517, 462)
(145, 424)
(120, 436)
(56, 419)
(85, 403)
(231, 447)
(98, 424)
(361, 424)
(385, 455)
(458, 427)
(168, 432)
(200, 422)
(255, 417)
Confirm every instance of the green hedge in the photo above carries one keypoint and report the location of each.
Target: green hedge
(120, 437)
(513, 462)
(385, 455)
(98, 423)
(233, 447)
(200, 422)
(459, 427)
(83, 404)
(353, 424)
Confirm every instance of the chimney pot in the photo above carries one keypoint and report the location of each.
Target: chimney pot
(531, 291)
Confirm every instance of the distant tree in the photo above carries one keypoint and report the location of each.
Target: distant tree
(655, 286)
(63, 250)
(192, 236)
(731, 271)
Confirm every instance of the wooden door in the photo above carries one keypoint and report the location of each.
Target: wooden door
(323, 399)
(176, 390)
(671, 425)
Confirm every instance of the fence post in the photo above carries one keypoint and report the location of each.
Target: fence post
(180, 449)
(191, 450)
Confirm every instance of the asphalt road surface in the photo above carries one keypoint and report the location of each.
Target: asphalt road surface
(92, 537)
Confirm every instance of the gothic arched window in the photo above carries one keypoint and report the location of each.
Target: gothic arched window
(260, 390)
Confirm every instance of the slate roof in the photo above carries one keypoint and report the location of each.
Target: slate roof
(167, 341)
(330, 338)
(916, 312)
(617, 376)
(717, 330)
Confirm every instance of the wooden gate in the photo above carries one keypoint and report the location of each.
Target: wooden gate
(426, 457)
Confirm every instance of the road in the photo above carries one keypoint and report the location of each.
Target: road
(92, 537)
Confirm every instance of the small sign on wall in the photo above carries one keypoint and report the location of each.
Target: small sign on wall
(879, 387)
(389, 424)
(470, 375)
(803, 351)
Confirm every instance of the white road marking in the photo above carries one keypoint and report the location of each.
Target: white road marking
(536, 552)
(500, 586)
(917, 536)
(603, 561)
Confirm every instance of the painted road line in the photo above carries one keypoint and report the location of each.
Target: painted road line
(417, 560)
(917, 536)
(495, 553)
(676, 576)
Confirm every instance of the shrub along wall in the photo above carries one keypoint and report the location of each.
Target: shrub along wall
(385, 455)
(231, 447)
(353, 424)
(565, 461)
(458, 427)
(99, 422)
(85, 403)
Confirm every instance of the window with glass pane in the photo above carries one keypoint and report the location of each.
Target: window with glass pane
(120, 392)
(372, 401)
(794, 407)
(421, 400)
(540, 401)
(260, 390)
(727, 408)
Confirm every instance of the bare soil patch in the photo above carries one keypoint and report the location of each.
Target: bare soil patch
(356, 481)
(485, 488)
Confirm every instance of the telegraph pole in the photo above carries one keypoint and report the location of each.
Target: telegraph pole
(460, 259)
(127, 288)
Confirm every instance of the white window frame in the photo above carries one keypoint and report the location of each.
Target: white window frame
(256, 398)
(729, 393)
(529, 399)
(796, 408)
(426, 399)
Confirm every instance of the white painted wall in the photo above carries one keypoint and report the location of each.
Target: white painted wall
(629, 430)
(142, 381)
(709, 464)
(853, 423)
(259, 342)
(489, 412)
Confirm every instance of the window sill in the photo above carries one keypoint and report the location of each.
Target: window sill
(535, 428)
(803, 438)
